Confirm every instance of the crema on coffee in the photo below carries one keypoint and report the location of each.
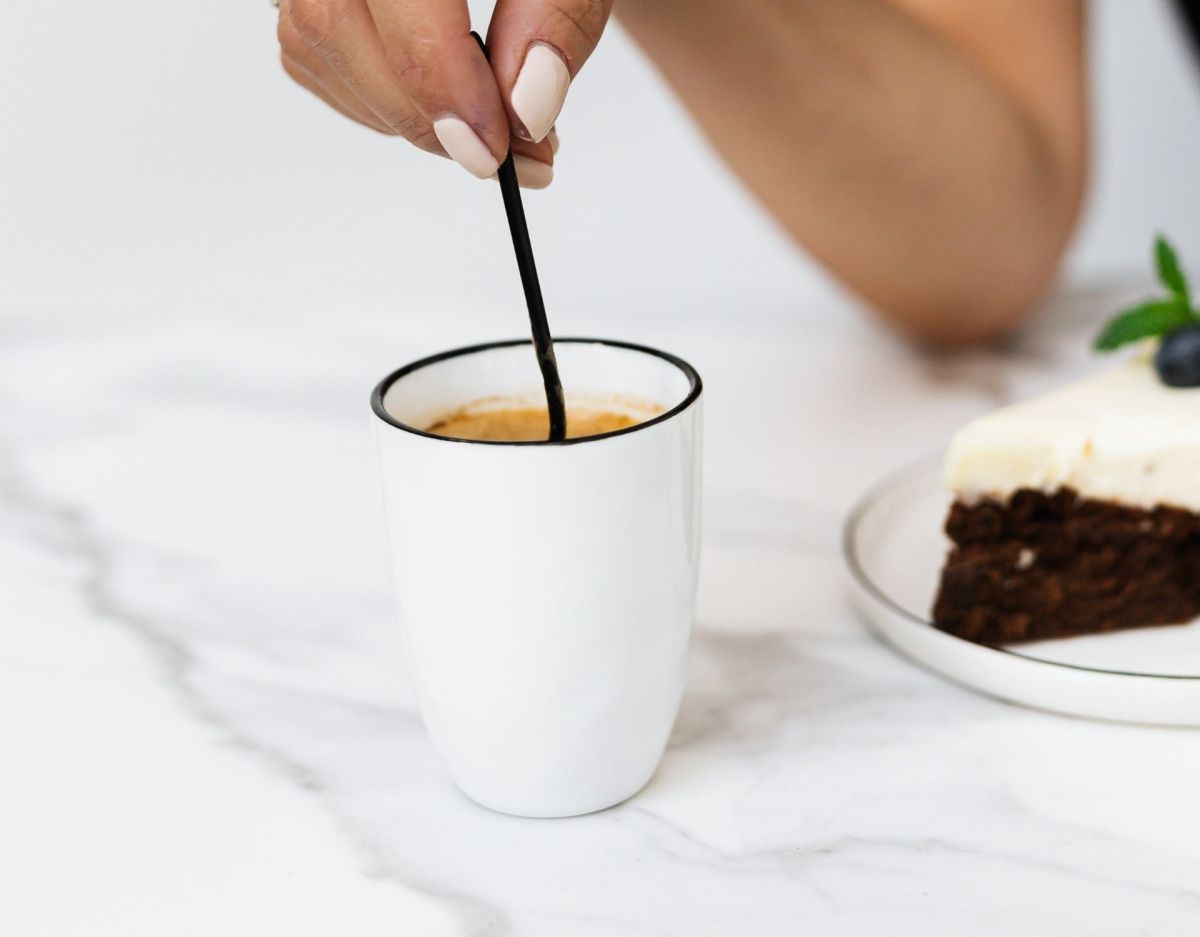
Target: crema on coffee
(522, 423)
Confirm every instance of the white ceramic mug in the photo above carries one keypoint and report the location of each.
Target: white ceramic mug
(546, 589)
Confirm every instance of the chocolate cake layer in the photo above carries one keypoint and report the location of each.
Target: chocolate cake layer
(1049, 566)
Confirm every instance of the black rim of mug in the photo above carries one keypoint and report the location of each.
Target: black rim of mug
(381, 389)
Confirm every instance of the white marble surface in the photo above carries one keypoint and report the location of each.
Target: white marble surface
(208, 727)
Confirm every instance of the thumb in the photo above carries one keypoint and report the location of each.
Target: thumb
(537, 47)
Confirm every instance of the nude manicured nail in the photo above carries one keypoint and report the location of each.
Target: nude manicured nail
(540, 90)
(532, 173)
(465, 147)
(552, 139)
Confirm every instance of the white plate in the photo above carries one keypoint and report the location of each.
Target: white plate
(894, 548)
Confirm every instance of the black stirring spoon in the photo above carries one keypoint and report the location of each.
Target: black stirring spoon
(543, 344)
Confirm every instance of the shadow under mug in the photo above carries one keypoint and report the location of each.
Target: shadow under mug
(546, 589)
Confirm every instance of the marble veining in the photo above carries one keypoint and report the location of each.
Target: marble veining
(206, 703)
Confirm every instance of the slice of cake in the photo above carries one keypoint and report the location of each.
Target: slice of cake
(1076, 512)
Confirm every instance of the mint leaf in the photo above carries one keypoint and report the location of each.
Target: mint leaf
(1157, 317)
(1168, 269)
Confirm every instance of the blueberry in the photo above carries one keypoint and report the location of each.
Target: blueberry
(1178, 358)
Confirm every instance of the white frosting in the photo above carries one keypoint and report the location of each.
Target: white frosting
(1120, 436)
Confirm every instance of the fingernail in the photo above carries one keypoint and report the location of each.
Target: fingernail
(532, 173)
(465, 147)
(540, 90)
(552, 139)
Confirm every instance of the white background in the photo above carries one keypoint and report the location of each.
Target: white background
(153, 156)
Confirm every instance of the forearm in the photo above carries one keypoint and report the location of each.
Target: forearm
(880, 147)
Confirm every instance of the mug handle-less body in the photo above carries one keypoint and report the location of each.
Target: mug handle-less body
(547, 590)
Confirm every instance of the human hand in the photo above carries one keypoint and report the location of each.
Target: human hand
(411, 68)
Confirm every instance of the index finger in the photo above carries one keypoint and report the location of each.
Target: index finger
(538, 47)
